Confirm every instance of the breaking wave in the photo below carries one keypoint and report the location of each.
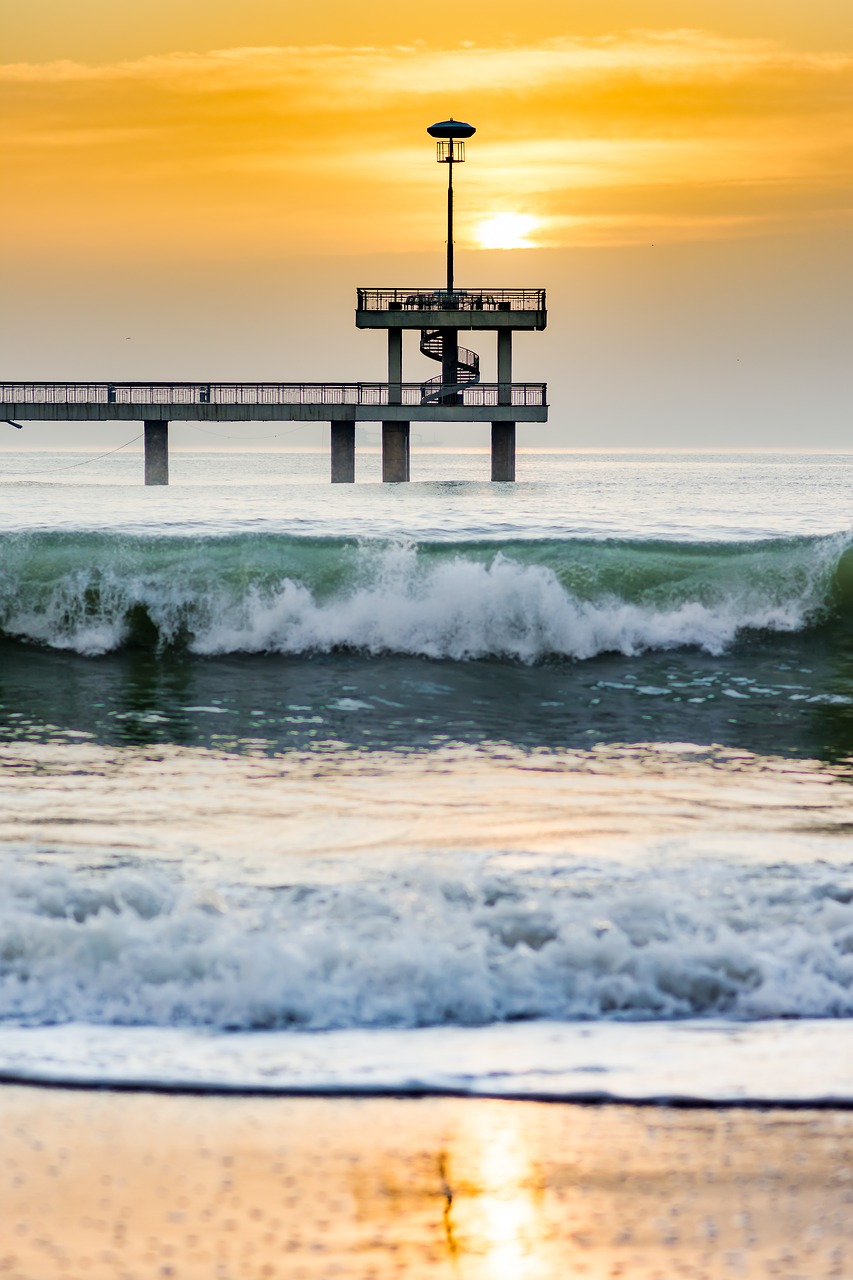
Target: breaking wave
(94, 593)
(430, 947)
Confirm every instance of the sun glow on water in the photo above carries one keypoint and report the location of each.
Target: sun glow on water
(507, 231)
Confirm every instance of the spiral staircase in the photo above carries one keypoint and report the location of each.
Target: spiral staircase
(436, 390)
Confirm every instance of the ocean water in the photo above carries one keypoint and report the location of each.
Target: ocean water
(533, 790)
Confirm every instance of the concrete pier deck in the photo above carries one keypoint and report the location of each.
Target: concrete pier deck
(266, 401)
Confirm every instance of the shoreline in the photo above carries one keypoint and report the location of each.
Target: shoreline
(111, 1185)
(595, 1099)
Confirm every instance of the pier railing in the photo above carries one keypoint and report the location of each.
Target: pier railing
(479, 395)
(426, 299)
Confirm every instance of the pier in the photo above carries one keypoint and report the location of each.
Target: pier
(455, 394)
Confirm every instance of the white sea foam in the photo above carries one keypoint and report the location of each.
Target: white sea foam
(465, 609)
(428, 948)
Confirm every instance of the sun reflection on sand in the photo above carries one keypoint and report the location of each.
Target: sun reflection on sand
(498, 1222)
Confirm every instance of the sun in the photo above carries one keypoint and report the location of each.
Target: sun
(506, 231)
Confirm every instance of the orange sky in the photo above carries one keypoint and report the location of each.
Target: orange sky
(160, 141)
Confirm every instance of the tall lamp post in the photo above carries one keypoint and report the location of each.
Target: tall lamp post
(450, 138)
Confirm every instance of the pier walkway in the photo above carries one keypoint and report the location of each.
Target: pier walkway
(264, 401)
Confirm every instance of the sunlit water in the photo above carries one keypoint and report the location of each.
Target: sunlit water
(532, 790)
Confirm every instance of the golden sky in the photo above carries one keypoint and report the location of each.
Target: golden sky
(265, 129)
(179, 171)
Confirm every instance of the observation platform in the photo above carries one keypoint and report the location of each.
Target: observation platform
(439, 314)
(422, 307)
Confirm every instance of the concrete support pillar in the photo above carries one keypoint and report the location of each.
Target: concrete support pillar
(395, 452)
(156, 452)
(395, 366)
(343, 451)
(503, 450)
(504, 366)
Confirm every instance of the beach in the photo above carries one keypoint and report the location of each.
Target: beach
(113, 1185)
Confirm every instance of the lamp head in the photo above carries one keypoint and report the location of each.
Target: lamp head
(451, 130)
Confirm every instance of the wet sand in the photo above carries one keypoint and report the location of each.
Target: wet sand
(120, 1186)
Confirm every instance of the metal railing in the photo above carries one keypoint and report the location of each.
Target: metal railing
(15, 395)
(458, 300)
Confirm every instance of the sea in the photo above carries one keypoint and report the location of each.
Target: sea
(533, 790)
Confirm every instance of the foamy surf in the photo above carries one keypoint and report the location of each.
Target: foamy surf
(96, 593)
(428, 946)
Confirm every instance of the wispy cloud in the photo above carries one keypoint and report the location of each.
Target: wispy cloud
(411, 69)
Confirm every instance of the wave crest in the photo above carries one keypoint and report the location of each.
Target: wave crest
(93, 593)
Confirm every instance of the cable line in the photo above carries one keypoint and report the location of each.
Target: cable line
(47, 471)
